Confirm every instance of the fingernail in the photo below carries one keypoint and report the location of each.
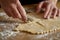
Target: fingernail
(48, 17)
(24, 19)
(54, 17)
(59, 15)
(44, 16)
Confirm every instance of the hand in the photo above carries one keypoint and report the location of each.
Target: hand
(50, 9)
(13, 8)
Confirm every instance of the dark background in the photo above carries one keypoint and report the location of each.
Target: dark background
(24, 2)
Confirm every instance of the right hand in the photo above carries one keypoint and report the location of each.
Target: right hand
(13, 8)
(50, 9)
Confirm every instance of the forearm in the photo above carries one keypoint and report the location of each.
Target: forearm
(53, 1)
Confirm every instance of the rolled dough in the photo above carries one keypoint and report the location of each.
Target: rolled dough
(39, 25)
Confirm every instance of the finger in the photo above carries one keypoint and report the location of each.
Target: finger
(47, 10)
(58, 14)
(15, 11)
(55, 13)
(8, 12)
(22, 11)
(39, 7)
(50, 13)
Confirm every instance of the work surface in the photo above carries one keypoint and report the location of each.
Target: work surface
(6, 33)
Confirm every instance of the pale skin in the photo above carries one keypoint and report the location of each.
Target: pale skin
(51, 9)
(15, 9)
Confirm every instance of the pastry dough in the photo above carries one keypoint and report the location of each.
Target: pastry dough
(31, 27)
(39, 25)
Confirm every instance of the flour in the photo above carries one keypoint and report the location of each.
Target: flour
(7, 30)
(6, 34)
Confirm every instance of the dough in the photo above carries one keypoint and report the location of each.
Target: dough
(39, 25)
(31, 27)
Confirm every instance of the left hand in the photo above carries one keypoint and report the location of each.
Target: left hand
(50, 9)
